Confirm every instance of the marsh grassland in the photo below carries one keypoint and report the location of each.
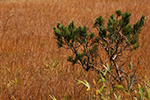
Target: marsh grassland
(27, 46)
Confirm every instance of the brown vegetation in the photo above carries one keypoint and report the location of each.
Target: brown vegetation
(27, 43)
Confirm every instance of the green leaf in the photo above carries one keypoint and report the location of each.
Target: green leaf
(60, 44)
(52, 97)
(130, 66)
(79, 56)
(117, 98)
(9, 84)
(70, 58)
(121, 88)
(140, 89)
(47, 65)
(148, 91)
(103, 79)
(101, 89)
(142, 20)
(105, 67)
(65, 98)
(141, 92)
(100, 92)
(147, 81)
(85, 83)
(55, 64)
(16, 81)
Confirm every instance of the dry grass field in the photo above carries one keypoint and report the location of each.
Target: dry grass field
(27, 43)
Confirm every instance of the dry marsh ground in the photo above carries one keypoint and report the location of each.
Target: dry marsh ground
(27, 44)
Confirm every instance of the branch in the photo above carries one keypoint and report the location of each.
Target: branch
(122, 49)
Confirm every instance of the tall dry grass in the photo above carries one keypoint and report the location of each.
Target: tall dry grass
(27, 43)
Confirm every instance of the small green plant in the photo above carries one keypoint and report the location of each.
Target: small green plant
(143, 91)
(13, 82)
(54, 64)
(53, 98)
(85, 83)
(117, 97)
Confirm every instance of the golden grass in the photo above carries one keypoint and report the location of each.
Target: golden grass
(27, 42)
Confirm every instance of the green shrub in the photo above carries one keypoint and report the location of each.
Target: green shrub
(116, 38)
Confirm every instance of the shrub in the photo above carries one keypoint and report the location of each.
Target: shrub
(116, 39)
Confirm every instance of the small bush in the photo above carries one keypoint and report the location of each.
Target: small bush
(117, 38)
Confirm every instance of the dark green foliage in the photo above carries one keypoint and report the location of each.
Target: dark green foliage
(126, 30)
(70, 58)
(91, 35)
(125, 19)
(99, 21)
(119, 13)
(139, 24)
(112, 25)
(102, 32)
